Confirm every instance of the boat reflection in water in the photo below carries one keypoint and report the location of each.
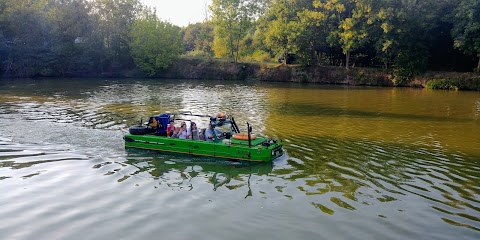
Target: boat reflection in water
(182, 172)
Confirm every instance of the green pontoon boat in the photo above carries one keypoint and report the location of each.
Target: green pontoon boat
(227, 140)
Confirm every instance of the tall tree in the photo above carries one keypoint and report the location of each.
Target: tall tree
(116, 18)
(205, 39)
(232, 19)
(155, 44)
(466, 31)
(352, 18)
(190, 34)
(319, 26)
(282, 27)
(27, 33)
(72, 28)
(405, 35)
(198, 37)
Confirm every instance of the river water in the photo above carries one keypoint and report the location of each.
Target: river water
(361, 163)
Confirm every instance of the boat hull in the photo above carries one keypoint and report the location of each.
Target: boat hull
(261, 150)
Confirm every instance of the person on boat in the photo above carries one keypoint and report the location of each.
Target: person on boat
(175, 133)
(209, 133)
(202, 134)
(193, 132)
(171, 128)
(183, 133)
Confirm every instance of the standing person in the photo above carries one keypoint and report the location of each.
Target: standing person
(171, 128)
(193, 132)
(209, 133)
(182, 133)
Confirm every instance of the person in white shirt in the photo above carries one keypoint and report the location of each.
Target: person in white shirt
(182, 133)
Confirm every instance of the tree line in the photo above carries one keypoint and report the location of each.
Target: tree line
(83, 38)
(73, 37)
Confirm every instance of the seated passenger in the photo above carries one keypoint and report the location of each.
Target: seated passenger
(193, 132)
(209, 133)
(202, 134)
(171, 128)
(175, 133)
(182, 132)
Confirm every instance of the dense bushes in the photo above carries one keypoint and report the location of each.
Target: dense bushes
(455, 84)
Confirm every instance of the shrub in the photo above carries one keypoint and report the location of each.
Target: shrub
(196, 54)
(455, 84)
(258, 56)
(407, 66)
(443, 84)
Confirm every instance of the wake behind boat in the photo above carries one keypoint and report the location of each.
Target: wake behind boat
(222, 138)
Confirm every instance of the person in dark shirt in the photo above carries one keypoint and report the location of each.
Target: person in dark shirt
(193, 132)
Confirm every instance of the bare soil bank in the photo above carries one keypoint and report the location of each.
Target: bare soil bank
(223, 70)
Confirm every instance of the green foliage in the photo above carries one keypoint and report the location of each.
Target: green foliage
(232, 19)
(115, 20)
(196, 55)
(283, 27)
(403, 33)
(71, 27)
(190, 35)
(198, 37)
(81, 37)
(348, 22)
(220, 48)
(58, 38)
(466, 31)
(155, 44)
(258, 56)
(407, 65)
(28, 41)
(454, 84)
(442, 84)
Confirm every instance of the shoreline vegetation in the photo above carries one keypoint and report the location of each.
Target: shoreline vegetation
(187, 68)
(221, 69)
(430, 43)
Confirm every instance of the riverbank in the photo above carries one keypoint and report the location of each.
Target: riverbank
(223, 70)
(218, 69)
